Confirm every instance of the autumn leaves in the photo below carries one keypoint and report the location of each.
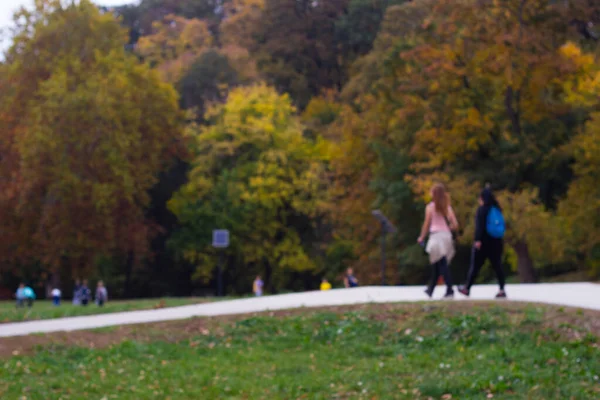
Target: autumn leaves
(296, 127)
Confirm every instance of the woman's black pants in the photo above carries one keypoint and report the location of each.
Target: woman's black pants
(441, 268)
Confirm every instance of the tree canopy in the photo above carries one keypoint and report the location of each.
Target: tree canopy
(128, 134)
(88, 129)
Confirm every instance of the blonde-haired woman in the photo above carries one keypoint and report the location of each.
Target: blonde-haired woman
(439, 223)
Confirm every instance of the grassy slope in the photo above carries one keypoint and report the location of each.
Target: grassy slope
(371, 352)
(45, 309)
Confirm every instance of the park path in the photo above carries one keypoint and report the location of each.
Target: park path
(580, 295)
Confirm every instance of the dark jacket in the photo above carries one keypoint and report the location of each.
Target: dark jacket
(489, 201)
(481, 234)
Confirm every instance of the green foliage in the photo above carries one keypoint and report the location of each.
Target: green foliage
(454, 104)
(357, 28)
(255, 174)
(91, 129)
(393, 95)
(295, 46)
(206, 82)
(580, 209)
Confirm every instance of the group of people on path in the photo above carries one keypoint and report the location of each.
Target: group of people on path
(349, 282)
(437, 237)
(82, 294)
(25, 295)
(440, 227)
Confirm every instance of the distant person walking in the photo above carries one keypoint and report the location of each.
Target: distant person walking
(350, 280)
(257, 286)
(20, 295)
(325, 285)
(77, 293)
(489, 243)
(85, 294)
(101, 294)
(56, 293)
(439, 224)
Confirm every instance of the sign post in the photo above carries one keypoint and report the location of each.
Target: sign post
(220, 241)
(386, 227)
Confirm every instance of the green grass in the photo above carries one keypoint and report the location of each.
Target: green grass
(374, 352)
(45, 309)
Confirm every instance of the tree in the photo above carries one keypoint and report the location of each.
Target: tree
(429, 103)
(142, 17)
(293, 42)
(255, 174)
(580, 208)
(490, 79)
(175, 44)
(207, 81)
(372, 153)
(89, 130)
(357, 28)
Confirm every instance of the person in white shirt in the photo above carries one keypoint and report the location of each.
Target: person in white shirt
(56, 293)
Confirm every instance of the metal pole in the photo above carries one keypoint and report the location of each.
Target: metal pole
(383, 255)
(220, 274)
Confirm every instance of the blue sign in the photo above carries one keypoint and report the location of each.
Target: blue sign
(221, 238)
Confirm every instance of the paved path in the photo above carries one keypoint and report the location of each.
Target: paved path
(582, 295)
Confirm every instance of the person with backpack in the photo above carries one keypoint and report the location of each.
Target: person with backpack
(489, 243)
(440, 224)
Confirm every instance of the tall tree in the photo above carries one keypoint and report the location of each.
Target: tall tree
(357, 28)
(489, 77)
(372, 152)
(174, 46)
(142, 17)
(207, 81)
(581, 207)
(255, 174)
(293, 41)
(88, 131)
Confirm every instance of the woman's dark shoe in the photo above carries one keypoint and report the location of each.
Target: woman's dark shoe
(501, 295)
(429, 292)
(449, 295)
(462, 289)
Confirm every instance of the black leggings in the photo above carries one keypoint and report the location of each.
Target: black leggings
(492, 251)
(441, 268)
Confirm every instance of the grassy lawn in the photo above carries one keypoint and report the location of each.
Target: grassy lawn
(45, 309)
(417, 351)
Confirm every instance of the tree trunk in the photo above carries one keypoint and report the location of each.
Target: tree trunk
(128, 273)
(524, 263)
(268, 278)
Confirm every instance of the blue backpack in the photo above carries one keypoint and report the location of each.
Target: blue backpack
(29, 293)
(495, 223)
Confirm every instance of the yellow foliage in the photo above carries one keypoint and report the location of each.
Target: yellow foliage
(273, 171)
(174, 45)
(580, 210)
(92, 130)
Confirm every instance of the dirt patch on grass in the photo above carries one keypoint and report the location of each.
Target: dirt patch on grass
(565, 323)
